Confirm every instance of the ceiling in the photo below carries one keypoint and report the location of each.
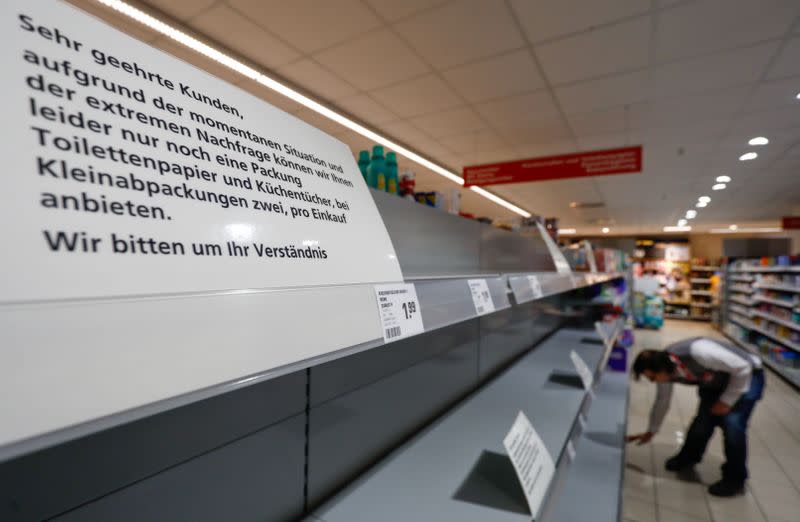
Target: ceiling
(466, 82)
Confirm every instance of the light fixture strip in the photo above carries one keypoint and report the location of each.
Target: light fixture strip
(208, 51)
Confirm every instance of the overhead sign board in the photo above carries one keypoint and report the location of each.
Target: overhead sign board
(625, 160)
(129, 172)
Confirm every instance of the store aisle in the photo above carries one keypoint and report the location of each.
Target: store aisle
(653, 494)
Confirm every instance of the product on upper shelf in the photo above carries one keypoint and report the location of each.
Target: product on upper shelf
(432, 199)
(376, 172)
(363, 163)
(454, 202)
(407, 184)
(392, 182)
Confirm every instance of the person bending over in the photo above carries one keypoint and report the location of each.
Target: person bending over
(729, 380)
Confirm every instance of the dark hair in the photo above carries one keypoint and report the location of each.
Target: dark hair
(654, 360)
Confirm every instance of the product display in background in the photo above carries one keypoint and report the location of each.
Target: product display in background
(704, 281)
(669, 264)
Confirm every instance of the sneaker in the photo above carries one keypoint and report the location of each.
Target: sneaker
(726, 489)
(677, 463)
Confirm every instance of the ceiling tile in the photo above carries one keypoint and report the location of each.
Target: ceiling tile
(545, 19)
(536, 133)
(310, 75)
(180, 9)
(497, 77)
(614, 49)
(365, 108)
(450, 122)
(788, 62)
(712, 25)
(615, 90)
(309, 25)
(392, 10)
(544, 148)
(461, 31)
(520, 111)
(273, 98)
(474, 142)
(774, 119)
(415, 97)
(229, 28)
(373, 60)
(770, 95)
(319, 121)
(726, 69)
(406, 133)
(598, 122)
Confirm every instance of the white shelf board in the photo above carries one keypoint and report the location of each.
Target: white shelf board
(777, 302)
(766, 269)
(775, 286)
(777, 320)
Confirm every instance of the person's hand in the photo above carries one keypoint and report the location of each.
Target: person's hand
(642, 438)
(720, 409)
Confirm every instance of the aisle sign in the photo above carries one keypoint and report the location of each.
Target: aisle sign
(531, 460)
(626, 160)
(583, 370)
(536, 286)
(130, 172)
(400, 313)
(481, 297)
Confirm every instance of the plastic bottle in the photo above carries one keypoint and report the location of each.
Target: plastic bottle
(376, 172)
(363, 162)
(392, 180)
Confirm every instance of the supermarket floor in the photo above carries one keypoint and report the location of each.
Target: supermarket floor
(653, 494)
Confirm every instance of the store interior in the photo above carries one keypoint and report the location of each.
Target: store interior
(700, 238)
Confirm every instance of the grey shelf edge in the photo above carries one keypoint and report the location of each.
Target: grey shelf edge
(422, 479)
(597, 472)
(444, 301)
(792, 380)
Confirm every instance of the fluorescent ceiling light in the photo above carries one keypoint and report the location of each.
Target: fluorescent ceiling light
(253, 74)
(682, 222)
(701, 204)
(606, 230)
(747, 156)
(761, 140)
(704, 199)
(677, 229)
(691, 214)
(723, 179)
(756, 230)
(567, 231)
(719, 186)
(733, 227)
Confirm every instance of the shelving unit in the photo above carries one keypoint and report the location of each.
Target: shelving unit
(701, 305)
(763, 314)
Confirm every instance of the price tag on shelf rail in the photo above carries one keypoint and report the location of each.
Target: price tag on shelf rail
(582, 369)
(532, 462)
(481, 296)
(398, 306)
(536, 286)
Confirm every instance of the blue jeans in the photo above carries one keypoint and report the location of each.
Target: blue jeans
(734, 429)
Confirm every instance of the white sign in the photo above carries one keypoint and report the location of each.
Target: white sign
(571, 451)
(129, 172)
(536, 286)
(532, 461)
(399, 309)
(481, 297)
(583, 370)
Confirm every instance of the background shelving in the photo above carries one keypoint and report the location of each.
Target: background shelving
(702, 292)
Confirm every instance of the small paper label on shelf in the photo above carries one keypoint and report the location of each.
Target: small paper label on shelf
(532, 462)
(571, 451)
(582, 369)
(398, 306)
(481, 296)
(536, 286)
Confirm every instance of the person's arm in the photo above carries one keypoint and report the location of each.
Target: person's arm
(660, 406)
(715, 357)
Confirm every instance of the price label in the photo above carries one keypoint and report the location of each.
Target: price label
(583, 370)
(398, 306)
(571, 451)
(532, 462)
(481, 296)
(536, 286)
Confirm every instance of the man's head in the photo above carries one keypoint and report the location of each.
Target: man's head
(656, 365)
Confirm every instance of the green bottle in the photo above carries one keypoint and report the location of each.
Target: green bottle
(392, 180)
(376, 172)
(363, 162)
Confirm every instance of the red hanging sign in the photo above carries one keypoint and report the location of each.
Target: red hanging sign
(790, 222)
(626, 160)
